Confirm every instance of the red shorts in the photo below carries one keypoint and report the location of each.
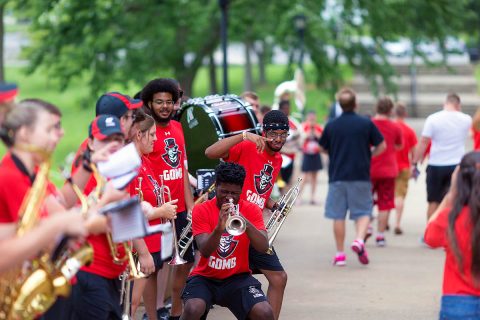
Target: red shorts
(383, 191)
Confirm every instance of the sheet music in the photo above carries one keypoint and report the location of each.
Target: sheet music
(127, 225)
(205, 178)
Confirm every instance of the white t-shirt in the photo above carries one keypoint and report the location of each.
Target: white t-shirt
(448, 131)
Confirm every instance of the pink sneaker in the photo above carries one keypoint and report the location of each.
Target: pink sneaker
(340, 260)
(359, 248)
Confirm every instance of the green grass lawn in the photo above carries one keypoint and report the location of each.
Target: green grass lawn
(78, 108)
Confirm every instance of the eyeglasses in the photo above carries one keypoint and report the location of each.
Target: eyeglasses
(274, 135)
(168, 103)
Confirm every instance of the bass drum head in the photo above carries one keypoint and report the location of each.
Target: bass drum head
(200, 133)
(207, 120)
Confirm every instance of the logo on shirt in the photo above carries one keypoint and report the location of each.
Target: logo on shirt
(226, 246)
(263, 181)
(171, 155)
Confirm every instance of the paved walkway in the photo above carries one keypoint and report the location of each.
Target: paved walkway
(403, 280)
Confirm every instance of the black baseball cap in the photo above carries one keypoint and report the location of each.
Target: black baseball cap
(104, 126)
(116, 104)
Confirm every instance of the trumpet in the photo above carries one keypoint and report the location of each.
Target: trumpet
(134, 267)
(279, 215)
(186, 237)
(236, 224)
(166, 196)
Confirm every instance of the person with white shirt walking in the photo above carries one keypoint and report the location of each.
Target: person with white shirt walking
(447, 130)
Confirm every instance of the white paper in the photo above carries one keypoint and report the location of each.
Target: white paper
(121, 167)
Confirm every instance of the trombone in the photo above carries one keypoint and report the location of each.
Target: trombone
(186, 237)
(279, 215)
(166, 196)
(134, 268)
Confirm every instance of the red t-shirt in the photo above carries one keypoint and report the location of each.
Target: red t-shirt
(261, 171)
(14, 185)
(77, 160)
(168, 159)
(455, 280)
(385, 164)
(151, 194)
(311, 146)
(231, 256)
(102, 263)
(409, 142)
(476, 139)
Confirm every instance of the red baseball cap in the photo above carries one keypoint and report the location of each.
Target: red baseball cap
(8, 92)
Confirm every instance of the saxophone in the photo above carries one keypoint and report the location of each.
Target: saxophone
(31, 289)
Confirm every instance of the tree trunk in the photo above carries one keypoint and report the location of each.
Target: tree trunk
(212, 72)
(262, 63)
(2, 36)
(248, 80)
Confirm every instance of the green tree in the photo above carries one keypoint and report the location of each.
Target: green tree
(118, 41)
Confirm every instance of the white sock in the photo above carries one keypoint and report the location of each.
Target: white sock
(359, 240)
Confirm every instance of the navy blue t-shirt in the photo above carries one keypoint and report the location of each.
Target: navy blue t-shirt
(348, 140)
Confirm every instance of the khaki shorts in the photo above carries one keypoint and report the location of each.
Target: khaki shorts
(401, 183)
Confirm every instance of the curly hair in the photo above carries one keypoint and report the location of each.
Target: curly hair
(229, 172)
(275, 117)
(159, 85)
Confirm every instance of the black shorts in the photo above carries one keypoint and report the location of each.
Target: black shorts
(438, 182)
(287, 172)
(157, 260)
(263, 261)
(238, 293)
(180, 223)
(96, 297)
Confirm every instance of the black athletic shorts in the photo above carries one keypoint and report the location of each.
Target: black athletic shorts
(238, 293)
(438, 182)
(96, 297)
(261, 260)
(180, 223)
(157, 260)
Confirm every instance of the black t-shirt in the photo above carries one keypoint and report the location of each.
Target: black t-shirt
(348, 140)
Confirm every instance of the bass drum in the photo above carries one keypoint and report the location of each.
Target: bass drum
(207, 120)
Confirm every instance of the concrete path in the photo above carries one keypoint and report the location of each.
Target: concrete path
(403, 280)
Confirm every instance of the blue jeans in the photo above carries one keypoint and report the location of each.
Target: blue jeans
(456, 307)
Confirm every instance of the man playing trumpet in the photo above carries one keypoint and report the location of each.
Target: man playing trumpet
(223, 275)
(262, 161)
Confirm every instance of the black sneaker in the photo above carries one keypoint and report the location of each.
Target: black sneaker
(163, 314)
